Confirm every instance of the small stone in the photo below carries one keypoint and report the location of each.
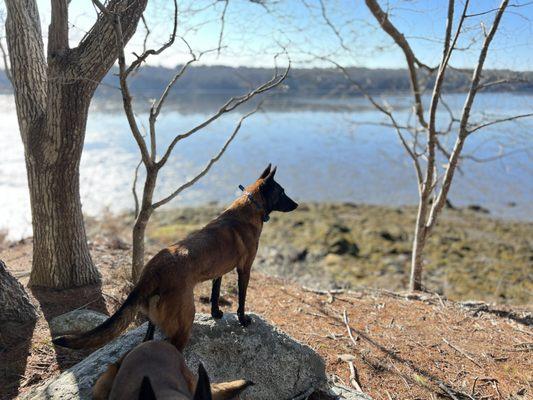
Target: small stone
(76, 321)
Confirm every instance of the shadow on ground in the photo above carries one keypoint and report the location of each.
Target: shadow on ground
(56, 302)
(15, 347)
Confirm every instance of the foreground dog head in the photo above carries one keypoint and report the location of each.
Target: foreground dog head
(273, 193)
(203, 390)
(157, 370)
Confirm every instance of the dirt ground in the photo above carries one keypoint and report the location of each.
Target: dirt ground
(403, 347)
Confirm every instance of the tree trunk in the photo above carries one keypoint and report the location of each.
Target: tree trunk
(61, 255)
(15, 305)
(139, 229)
(419, 242)
(52, 96)
(137, 258)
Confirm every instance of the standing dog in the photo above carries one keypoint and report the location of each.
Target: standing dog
(157, 370)
(165, 289)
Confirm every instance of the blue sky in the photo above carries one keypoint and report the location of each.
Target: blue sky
(253, 35)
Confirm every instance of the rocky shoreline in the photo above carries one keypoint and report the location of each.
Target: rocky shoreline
(470, 255)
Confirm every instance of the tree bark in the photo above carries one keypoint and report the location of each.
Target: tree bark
(15, 305)
(419, 242)
(52, 98)
(61, 255)
(139, 229)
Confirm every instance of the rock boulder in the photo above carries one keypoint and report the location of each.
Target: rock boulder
(76, 321)
(280, 367)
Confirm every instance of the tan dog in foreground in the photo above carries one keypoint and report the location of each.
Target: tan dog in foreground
(165, 289)
(157, 370)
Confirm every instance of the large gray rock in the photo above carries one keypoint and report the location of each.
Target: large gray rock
(76, 321)
(280, 367)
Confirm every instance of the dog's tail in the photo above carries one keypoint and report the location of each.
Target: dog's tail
(108, 330)
(229, 390)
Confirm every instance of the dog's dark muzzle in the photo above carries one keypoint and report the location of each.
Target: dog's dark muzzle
(286, 204)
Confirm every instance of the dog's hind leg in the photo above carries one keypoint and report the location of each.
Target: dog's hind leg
(151, 313)
(216, 313)
(244, 278)
(176, 315)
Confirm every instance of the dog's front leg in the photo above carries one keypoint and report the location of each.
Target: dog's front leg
(216, 313)
(244, 277)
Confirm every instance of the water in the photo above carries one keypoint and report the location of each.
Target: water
(323, 154)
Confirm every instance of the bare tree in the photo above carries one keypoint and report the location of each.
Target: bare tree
(53, 90)
(433, 184)
(149, 154)
(421, 136)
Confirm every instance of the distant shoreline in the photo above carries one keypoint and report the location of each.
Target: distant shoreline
(218, 79)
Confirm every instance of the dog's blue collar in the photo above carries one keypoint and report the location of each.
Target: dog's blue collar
(266, 217)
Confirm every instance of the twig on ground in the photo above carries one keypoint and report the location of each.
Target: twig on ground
(473, 393)
(348, 328)
(461, 352)
(324, 292)
(448, 391)
(86, 304)
(495, 384)
(354, 378)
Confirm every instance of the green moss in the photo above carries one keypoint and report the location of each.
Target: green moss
(468, 256)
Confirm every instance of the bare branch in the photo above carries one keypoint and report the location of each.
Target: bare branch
(7, 68)
(496, 9)
(330, 24)
(433, 141)
(471, 157)
(134, 188)
(222, 25)
(438, 204)
(151, 52)
(94, 53)
(498, 121)
(230, 105)
(147, 34)
(126, 96)
(156, 107)
(486, 85)
(211, 162)
(390, 116)
(58, 30)
(411, 59)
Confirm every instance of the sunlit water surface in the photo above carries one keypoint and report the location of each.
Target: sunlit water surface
(324, 156)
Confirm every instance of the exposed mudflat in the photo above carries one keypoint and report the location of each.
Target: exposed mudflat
(469, 256)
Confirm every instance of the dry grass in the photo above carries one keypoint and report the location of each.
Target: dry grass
(403, 348)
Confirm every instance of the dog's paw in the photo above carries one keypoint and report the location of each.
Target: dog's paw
(244, 320)
(217, 314)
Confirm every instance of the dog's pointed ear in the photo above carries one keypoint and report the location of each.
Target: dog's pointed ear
(266, 172)
(203, 387)
(229, 390)
(146, 392)
(271, 174)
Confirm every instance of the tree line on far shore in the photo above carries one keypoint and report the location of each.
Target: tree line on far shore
(300, 82)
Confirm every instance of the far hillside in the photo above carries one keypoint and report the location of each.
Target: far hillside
(301, 81)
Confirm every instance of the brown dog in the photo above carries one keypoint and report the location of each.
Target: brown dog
(165, 289)
(157, 370)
